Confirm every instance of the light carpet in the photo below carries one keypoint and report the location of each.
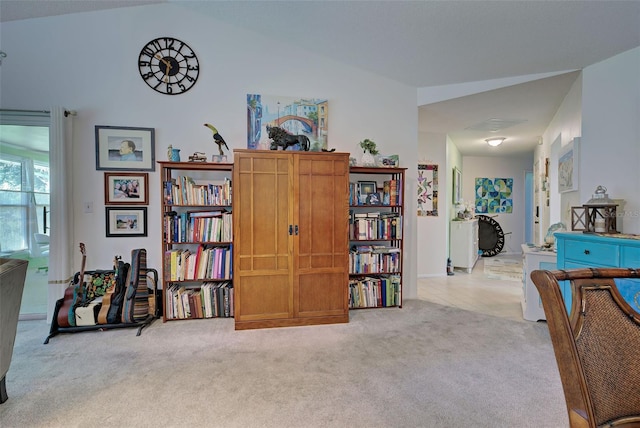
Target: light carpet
(503, 268)
(424, 365)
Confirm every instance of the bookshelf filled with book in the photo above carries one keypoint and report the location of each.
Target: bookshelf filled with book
(197, 240)
(376, 211)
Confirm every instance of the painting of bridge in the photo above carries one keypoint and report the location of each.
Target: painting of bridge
(298, 116)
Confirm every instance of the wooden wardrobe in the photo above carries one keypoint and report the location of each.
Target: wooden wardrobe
(290, 245)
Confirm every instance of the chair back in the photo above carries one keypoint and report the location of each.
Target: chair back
(597, 346)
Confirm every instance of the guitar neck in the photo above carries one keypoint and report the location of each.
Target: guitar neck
(82, 267)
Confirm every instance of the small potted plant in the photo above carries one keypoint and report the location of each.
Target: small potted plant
(369, 149)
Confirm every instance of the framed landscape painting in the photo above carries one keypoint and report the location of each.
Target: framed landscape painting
(126, 221)
(297, 116)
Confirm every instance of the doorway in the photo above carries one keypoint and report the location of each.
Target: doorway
(25, 201)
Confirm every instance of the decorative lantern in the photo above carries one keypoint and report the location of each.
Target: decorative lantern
(600, 213)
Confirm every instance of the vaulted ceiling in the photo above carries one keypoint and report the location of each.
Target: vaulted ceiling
(426, 44)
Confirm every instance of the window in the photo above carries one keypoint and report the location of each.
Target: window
(24, 200)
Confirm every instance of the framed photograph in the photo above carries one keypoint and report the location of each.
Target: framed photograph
(457, 185)
(388, 161)
(121, 148)
(568, 167)
(126, 188)
(365, 188)
(373, 199)
(126, 221)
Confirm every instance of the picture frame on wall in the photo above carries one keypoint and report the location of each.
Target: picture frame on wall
(122, 148)
(126, 222)
(126, 188)
(568, 166)
(457, 185)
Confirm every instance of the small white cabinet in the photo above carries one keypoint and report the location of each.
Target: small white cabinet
(463, 243)
(534, 258)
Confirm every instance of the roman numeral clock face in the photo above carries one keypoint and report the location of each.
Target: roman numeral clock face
(168, 65)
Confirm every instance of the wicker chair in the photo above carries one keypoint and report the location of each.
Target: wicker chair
(597, 347)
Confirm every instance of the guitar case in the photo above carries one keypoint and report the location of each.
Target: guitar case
(115, 309)
(136, 301)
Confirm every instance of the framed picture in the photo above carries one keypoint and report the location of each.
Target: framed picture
(457, 185)
(427, 189)
(122, 148)
(388, 161)
(126, 221)
(126, 188)
(373, 199)
(289, 114)
(365, 188)
(568, 167)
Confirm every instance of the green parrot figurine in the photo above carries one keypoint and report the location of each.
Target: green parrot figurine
(217, 138)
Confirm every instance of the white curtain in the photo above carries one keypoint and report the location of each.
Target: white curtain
(61, 239)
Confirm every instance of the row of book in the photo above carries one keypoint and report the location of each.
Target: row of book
(375, 225)
(374, 292)
(184, 190)
(362, 193)
(198, 226)
(365, 259)
(205, 263)
(209, 301)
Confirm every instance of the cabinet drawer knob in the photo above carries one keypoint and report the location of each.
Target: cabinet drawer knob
(587, 252)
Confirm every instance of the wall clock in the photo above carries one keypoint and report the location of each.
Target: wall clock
(168, 65)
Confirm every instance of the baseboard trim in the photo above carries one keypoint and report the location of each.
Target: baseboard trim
(31, 317)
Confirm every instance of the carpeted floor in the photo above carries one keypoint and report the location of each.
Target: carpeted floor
(424, 365)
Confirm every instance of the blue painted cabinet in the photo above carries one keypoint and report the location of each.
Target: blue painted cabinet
(583, 250)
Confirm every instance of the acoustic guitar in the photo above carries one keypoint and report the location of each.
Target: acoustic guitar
(72, 296)
(106, 299)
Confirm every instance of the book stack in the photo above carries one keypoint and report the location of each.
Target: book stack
(365, 259)
(374, 292)
(209, 301)
(184, 190)
(198, 226)
(391, 193)
(205, 263)
(376, 225)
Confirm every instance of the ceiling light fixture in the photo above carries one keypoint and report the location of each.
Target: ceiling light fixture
(496, 141)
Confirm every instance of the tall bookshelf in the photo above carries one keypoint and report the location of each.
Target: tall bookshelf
(376, 231)
(197, 240)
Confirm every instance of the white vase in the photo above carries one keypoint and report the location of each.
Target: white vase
(367, 159)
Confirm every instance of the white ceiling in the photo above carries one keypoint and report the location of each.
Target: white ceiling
(433, 43)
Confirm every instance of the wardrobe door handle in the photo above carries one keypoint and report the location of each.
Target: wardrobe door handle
(290, 229)
(587, 252)
(296, 230)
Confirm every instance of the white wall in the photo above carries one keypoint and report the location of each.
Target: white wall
(610, 152)
(494, 167)
(88, 62)
(565, 125)
(602, 108)
(433, 231)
